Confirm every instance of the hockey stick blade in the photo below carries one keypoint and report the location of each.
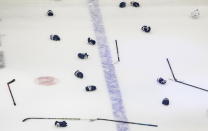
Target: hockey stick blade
(171, 70)
(10, 81)
(26, 119)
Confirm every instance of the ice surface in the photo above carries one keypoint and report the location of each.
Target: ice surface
(29, 53)
(1, 59)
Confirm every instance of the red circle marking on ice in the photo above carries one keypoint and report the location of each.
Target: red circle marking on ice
(46, 80)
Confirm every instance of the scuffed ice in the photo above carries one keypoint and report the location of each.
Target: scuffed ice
(1, 59)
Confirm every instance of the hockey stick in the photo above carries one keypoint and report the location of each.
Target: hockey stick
(117, 51)
(171, 70)
(11, 91)
(127, 122)
(177, 81)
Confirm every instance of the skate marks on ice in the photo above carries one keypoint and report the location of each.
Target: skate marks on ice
(2, 63)
(2, 59)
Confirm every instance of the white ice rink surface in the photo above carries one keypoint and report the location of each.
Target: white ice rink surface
(29, 53)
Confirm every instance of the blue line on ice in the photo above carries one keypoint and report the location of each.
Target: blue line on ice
(107, 63)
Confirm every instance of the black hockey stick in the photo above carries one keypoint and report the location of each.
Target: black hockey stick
(8, 85)
(171, 70)
(127, 122)
(181, 81)
(117, 51)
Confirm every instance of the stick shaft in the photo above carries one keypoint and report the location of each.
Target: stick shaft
(11, 95)
(127, 122)
(42, 118)
(117, 50)
(191, 85)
